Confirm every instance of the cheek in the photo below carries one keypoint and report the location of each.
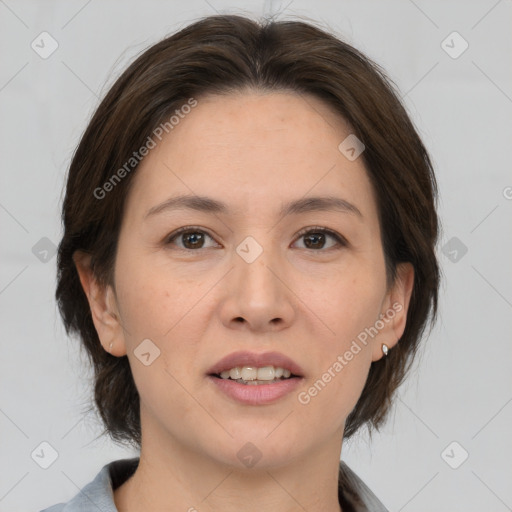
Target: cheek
(343, 363)
(170, 310)
(349, 304)
(152, 303)
(153, 309)
(347, 307)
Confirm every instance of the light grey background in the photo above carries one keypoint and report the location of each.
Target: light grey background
(460, 390)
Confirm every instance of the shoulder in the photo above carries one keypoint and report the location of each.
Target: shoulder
(98, 494)
(354, 494)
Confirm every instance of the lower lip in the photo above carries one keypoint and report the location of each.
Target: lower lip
(259, 394)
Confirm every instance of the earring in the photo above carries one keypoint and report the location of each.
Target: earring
(385, 349)
(110, 348)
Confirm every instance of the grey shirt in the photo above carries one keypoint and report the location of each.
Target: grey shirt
(98, 495)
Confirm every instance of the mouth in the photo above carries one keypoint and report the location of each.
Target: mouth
(255, 392)
(256, 379)
(258, 368)
(253, 376)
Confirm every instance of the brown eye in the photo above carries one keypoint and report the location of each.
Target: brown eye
(190, 238)
(315, 238)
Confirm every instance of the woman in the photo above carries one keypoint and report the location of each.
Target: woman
(249, 261)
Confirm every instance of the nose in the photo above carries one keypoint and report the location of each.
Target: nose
(256, 295)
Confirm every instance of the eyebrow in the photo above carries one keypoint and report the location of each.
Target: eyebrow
(298, 206)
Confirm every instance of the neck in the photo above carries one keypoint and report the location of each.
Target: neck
(184, 478)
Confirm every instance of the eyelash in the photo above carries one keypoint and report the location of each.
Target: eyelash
(341, 241)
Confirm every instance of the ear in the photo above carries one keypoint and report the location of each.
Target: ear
(394, 310)
(103, 304)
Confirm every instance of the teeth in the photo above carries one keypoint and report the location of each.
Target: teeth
(251, 373)
(234, 373)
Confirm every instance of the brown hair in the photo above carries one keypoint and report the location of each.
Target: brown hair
(225, 53)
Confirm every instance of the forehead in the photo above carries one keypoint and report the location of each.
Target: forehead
(254, 148)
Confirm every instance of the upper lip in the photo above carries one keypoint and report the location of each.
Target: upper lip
(245, 358)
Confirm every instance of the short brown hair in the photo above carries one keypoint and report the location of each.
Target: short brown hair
(220, 54)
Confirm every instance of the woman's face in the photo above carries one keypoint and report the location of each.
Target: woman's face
(246, 278)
